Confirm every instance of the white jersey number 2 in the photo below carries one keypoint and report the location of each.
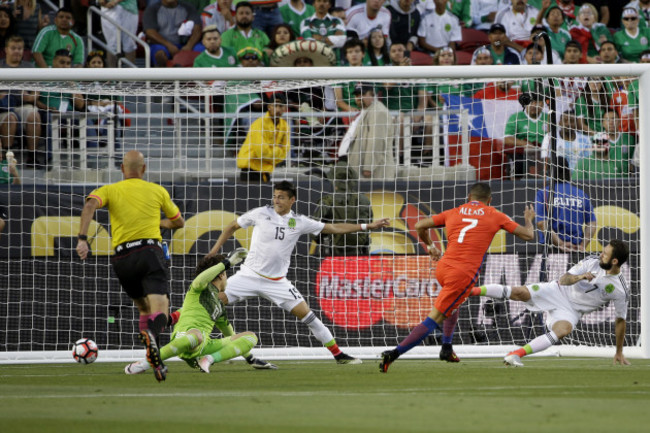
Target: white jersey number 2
(472, 222)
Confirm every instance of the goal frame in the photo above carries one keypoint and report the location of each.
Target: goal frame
(641, 350)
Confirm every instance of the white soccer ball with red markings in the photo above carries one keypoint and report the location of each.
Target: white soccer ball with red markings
(84, 351)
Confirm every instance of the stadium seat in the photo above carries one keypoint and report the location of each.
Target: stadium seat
(184, 59)
(463, 58)
(419, 58)
(472, 39)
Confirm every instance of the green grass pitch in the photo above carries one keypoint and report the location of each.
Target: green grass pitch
(477, 395)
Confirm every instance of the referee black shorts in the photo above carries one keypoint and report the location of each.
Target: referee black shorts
(141, 267)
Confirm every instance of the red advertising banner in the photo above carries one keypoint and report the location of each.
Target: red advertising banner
(357, 292)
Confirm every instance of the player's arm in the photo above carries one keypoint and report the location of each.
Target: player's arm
(225, 235)
(342, 228)
(207, 276)
(176, 223)
(422, 228)
(570, 279)
(224, 326)
(620, 341)
(86, 216)
(527, 231)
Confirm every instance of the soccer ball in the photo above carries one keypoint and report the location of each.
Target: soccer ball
(84, 351)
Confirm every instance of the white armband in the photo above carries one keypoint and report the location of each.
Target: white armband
(364, 227)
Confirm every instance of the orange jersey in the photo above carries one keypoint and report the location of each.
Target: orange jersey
(470, 230)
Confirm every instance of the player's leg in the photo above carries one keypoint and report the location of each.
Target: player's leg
(559, 330)
(448, 326)
(182, 342)
(223, 349)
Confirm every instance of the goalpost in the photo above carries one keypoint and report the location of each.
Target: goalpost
(190, 123)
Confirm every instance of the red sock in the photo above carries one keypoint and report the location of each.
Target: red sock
(476, 291)
(520, 352)
(334, 348)
(143, 323)
(175, 316)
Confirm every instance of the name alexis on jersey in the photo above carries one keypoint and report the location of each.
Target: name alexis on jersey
(468, 211)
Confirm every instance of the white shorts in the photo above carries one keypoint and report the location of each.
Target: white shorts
(247, 284)
(128, 20)
(549, 297)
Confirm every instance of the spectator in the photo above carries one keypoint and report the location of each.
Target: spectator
(621, 145)
(447, 57)
(518, 20)
(501, 90)
(243, 35)
(215, 56)
(220, 14)
(162, 24)
(377, 53)
(345, 205)
(338, 12)
(631, 41)
(370, 138)
(589, 32)
(555, 29)
(54, 38)
(280, 35)
(525, 132)
(7, 24)
(124, 12)
(363, 18)
(439, 29)
(598, 165)
(541, 48)
(482, 56)
(570, 218)
(570, 11)
(591, 105)
(643, 6)
(353, 50)
(483, 13)
(267, 143)
(461, 9)
(9, 173)
(266, 14)
(570, 144)
(22, 110)
(572, 53)
(608, 53)
(295, 12)
(29, 20)
(322, 26)
(405, 23)
(57, 102)
(504, 51)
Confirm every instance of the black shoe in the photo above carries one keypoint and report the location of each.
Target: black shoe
(153, 354)
(344, 358)
(160, 373)
(387, 358)
(260, 364)
(447, 353)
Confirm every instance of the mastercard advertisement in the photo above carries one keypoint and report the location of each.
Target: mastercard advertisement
(358, 292)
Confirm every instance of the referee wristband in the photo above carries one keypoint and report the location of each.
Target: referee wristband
(364, 227)
(82, 237)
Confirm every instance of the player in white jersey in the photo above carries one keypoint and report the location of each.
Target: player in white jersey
(586, 287)
(276, 230)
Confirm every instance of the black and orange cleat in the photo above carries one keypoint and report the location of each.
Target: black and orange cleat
(387, 358)
(447, 354)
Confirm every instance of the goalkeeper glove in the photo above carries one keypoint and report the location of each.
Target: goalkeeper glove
(236, 257)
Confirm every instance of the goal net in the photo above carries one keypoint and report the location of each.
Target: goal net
(416, 139)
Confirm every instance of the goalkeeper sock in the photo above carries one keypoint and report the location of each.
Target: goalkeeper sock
(497, 291)
(179, 345)
(234, 348)
(317, 328)
(417, 335)
(448, 327)
(540, 343)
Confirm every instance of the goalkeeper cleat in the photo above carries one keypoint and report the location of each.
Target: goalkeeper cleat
(160, 372)
(448, 354)
(387, 358)
(204, 364)
(344, 358)
(260, 364)
(136, 367)
(513, 360)
(153, 354)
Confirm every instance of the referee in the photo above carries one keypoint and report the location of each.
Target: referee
(134, 206)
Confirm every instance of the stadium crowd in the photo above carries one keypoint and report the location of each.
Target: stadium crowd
(598, 128)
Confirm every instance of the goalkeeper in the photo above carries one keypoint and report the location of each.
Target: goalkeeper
(202, 310)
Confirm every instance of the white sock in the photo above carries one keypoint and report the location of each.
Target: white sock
(498, 291)
(317, 328)
(543, 342)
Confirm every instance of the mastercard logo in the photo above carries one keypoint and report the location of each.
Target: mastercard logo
(358, 292)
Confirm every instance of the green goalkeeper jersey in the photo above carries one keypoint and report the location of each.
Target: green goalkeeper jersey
(202, 308)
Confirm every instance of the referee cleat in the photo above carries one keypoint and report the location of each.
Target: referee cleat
(387, 358)
(344, 358)
(260, 364)
(513, 360)
(448, 354)
(136, 367)
(204, 364)
(153, 354)
(160, 372)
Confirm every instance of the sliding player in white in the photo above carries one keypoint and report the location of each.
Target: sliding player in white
(586, 287)
(276, 230)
